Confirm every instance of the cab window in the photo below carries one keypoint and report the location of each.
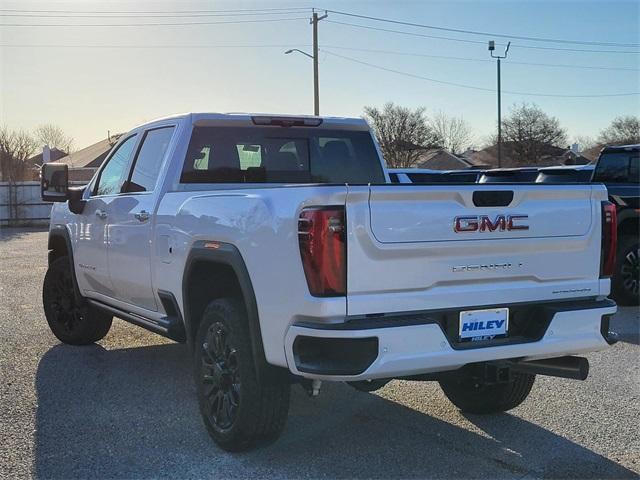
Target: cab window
(149, 159)
(111, 176)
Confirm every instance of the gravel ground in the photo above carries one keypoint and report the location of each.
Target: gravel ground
(125, 408)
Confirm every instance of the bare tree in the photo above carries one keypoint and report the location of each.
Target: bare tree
(585, 142)
(529, 132)
(622, 131)
(55, 137)
(16, 147)
(403, 133)
(453, 133)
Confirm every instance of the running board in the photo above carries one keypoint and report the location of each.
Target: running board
(169, 327)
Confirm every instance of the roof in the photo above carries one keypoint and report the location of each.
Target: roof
(56, 154)
(550, 155)
(439, 159)
(247, 118)
(91, 156)
(625, 148)
(204, 119)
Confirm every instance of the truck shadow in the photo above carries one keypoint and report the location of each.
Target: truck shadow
(131, 413)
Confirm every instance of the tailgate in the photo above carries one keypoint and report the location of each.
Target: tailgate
(421, 247)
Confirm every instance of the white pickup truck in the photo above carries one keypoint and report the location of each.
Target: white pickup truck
(278, 250)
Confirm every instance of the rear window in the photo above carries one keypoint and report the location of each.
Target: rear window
(280, 155)
(618, 167)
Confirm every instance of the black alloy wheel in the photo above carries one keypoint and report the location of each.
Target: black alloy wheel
(630, 272)
(69, 316)
(240, 409)
(220, 376)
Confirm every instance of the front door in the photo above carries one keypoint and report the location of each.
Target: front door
(131, 220)
(91, 232)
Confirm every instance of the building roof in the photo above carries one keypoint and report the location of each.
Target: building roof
(56, 154)
(440, 159)
(550, 156)
(91, 156)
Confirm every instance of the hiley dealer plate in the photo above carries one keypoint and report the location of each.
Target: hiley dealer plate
(484, 323)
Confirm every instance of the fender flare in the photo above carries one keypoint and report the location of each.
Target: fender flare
(228, 254)
(61, 232)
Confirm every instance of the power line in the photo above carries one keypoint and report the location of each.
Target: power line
(485, 34)
(474, 87)
(144, 12)
(168, 24)
(285, 45)
(449, 57)
(151, 15)
(337, 47)
(412, 34)
(535, 47)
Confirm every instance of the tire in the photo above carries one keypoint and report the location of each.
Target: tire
(239, 411)
(70, 319)
(473, 396)
(368, 385)
(625, 284)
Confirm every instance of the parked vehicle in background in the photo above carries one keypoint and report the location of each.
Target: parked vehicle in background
(424, 175)
(509, 175)
(278, 250)
(565, 174)
(618, 168)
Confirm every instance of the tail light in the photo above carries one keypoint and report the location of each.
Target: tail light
(609, 239)
(321, 235)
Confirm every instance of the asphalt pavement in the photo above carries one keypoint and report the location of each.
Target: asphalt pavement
(126, 408)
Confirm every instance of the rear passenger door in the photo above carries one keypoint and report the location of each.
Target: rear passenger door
(131, 221)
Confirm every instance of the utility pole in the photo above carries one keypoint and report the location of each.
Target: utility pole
(316, 82)
(492, 47)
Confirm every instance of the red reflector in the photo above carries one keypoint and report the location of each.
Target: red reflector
(321, 235)
(609, 239)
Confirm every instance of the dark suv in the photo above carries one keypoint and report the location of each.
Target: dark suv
(619, 169)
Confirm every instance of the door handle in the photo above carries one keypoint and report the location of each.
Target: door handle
(142, 216)
(101, 214)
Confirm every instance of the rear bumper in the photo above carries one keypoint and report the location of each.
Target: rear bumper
(363, 351)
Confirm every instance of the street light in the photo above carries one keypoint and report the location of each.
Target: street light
(316, 90)
(316, 94)
(492, 47)
(299, 51)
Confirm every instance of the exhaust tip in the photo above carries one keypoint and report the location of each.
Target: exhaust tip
(576, 368)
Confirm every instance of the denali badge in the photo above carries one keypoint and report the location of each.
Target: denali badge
(483, 223)
(484, 267)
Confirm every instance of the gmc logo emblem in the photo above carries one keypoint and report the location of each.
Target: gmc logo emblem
(483, 223)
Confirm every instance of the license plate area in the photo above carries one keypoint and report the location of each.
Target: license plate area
(482, 325)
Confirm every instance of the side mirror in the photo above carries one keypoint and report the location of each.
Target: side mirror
(76, 201)
(54, 182)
